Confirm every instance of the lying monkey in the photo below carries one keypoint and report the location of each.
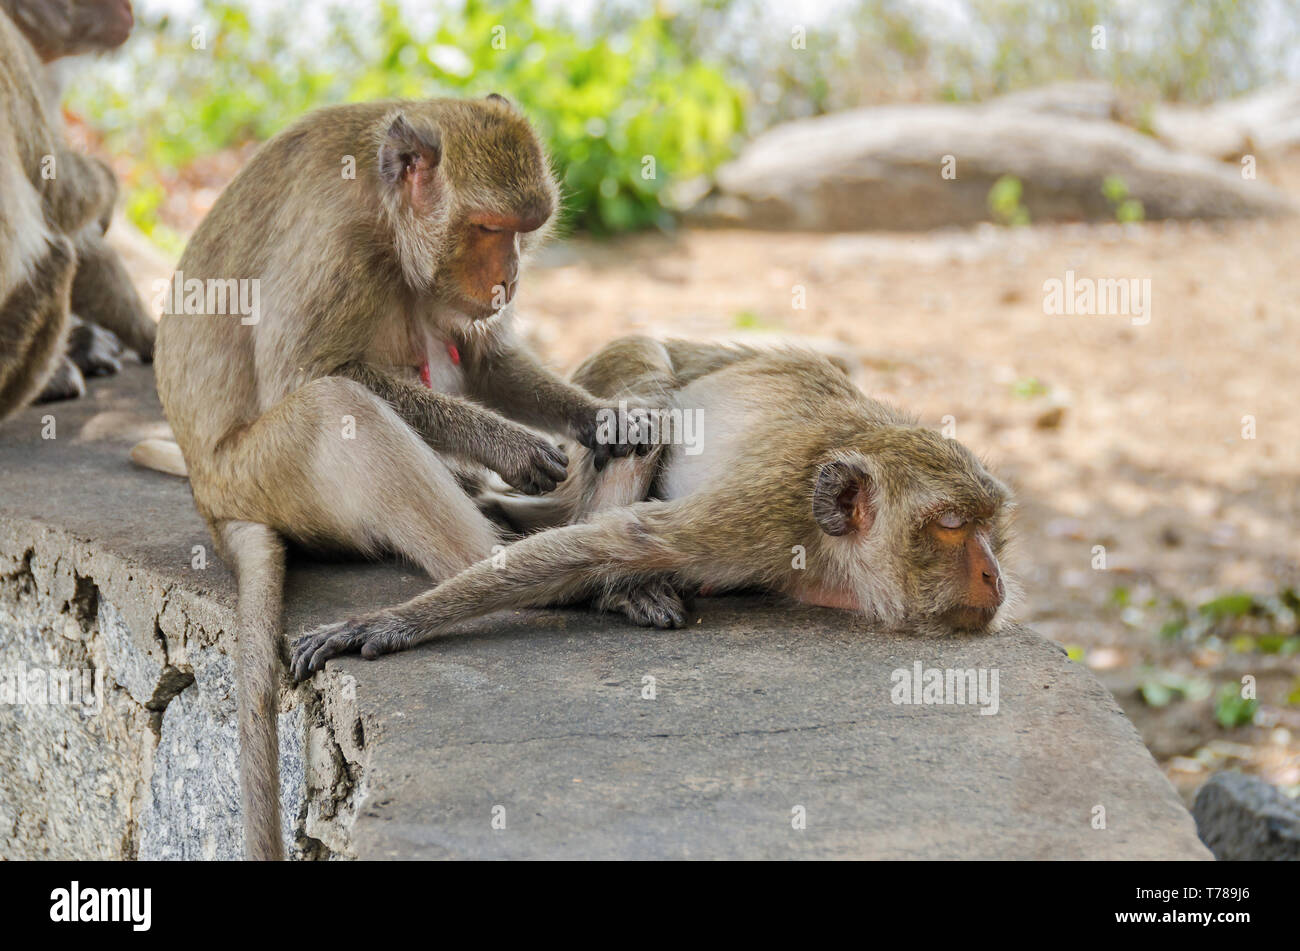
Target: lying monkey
(804, 486)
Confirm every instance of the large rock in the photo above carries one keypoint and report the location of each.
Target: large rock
(1074, 99)
(881, 168)
(1263, 122)
(1243, 818)
(762, 715)
(771, 730)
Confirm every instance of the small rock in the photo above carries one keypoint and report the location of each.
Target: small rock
(1050, 419)
(1242, 818)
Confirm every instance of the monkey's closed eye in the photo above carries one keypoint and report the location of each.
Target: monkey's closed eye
(951, 520)
(490, 229)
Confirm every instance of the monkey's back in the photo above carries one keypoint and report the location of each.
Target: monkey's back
(26, 136)
(305, 219)
(282, 208)
(769, 418)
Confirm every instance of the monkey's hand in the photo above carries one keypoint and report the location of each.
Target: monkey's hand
(526, 461)
(611, 432)
(370, 636)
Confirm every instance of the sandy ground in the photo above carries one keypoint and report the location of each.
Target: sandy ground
(1113, 433)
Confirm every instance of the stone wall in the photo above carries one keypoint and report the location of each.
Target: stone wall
(134, 753)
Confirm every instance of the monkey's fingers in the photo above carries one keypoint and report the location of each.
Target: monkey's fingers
(632, 434)
(544, 468)
(651, 604)
(637, 431)
(330, 640)
(555, 463)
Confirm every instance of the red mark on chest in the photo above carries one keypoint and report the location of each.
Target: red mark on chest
(426, 376)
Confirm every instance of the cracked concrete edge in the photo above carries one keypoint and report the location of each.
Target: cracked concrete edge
(158, 778)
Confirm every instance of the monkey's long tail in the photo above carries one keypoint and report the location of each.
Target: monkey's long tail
(258, 554)
(160, 454)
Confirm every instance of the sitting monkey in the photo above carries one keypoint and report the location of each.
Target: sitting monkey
(55, 205)
(337, 361)
(804, 486)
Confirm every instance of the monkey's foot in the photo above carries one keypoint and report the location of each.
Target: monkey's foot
(371, 636)
(94, 350)
(653, 604)
(65, 383)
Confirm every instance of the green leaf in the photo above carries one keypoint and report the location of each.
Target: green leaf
(1231, 709)
(1228, 605)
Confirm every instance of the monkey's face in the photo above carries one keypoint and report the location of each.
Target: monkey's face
(475, 178)
(102, 24)
(926, 525)
(70, 27)
(481, 272)
(958, 580)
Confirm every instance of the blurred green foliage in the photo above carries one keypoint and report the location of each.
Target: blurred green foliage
(1231, 709)
(904, 50)
(1126, 209)
(624, 114)
(1162, 687)
(1004, 202)
(1241, 621)
(1028, 388)
(679, 83)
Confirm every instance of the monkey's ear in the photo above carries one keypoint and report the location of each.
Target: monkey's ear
(497, 97)
(409, 159)
(843, 499)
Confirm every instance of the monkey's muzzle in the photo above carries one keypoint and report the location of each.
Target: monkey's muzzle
(969, 620)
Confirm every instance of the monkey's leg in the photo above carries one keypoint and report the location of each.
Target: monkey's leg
(102, 293)
(333, 465)
(33, 320)
(633, 365)
(639, 370)
(65, 383)
(563, 564)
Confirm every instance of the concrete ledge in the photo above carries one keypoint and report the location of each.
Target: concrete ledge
(533, 734)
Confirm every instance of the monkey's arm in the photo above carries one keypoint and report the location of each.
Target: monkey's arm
(82, 191)
(514, 383)
(33, 323)
(103, 294)
(458, 427)
(619, 549)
